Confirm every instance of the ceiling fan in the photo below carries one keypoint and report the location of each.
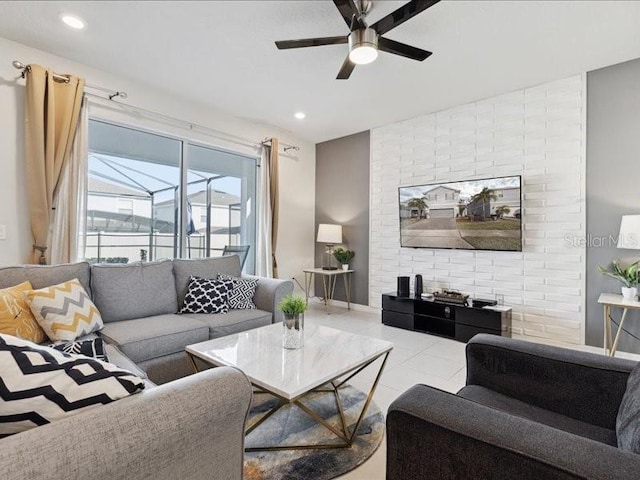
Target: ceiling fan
(365, 41)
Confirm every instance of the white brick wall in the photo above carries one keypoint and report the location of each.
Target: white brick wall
(538, 133)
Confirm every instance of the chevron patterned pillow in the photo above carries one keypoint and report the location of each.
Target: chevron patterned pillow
(64, 311)
(241, 297)
(39, 385)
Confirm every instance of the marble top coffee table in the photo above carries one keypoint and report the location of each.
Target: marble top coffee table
(328, 360)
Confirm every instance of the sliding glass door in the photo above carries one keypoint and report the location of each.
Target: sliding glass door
(221, 192)
(135, 204)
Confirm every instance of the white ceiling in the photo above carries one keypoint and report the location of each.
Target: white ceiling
(222, 53)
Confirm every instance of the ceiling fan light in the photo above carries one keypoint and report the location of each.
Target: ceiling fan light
(363, 54)
(363, 46)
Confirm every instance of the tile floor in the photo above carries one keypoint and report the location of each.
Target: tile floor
(415, 358)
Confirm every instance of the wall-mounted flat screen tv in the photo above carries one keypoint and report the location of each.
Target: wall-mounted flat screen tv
(470, 215)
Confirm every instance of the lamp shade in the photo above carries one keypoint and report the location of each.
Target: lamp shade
(629, 232)
(328, 233)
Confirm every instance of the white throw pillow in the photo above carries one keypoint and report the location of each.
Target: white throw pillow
(40, 384)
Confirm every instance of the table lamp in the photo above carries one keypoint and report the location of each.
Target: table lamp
(629, 236)
(330, 235)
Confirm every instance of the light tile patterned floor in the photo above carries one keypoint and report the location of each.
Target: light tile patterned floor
(416, 358)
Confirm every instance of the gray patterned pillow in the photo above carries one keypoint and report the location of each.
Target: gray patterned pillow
(628, 421)
(241, 297)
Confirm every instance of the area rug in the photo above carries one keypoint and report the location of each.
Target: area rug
(291, 426)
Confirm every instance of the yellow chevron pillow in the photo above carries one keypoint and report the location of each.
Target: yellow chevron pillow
(16, 318)
(64, 311)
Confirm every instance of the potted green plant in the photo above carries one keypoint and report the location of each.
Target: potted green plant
(628, 276)
(344, 257)
(293, 308)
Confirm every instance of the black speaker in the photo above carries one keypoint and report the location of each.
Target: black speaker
(417, 287)
(403, 286)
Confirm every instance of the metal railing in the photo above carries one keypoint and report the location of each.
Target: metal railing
(103, 246)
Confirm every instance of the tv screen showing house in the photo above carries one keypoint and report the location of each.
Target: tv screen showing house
(471, 215)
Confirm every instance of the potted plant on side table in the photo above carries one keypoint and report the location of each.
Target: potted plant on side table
(628, 276)
(293, 308)
(344, 257)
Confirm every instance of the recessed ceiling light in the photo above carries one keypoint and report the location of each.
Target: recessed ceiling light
(73, 21)
(300, 115)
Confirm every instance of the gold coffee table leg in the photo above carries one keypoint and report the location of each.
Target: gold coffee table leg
(346, 437)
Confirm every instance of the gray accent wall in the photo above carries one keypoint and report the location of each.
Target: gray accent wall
(613, 184)
(342, 197)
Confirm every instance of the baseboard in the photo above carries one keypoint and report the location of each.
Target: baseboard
(318, 302)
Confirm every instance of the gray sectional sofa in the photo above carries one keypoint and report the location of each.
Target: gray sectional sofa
(138, 303)
(190, 427)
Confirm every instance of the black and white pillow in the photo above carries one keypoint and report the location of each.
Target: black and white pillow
(207, 295)
(39, 384)
(241, 297)
(91, 347)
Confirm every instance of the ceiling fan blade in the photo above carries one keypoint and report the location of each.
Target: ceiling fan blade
(347, 68)
(401, 15)
(310, 42)
(402, 49)
(347, 9)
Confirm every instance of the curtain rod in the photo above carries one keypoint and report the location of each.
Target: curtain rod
(181, 123)
(190, 125)
(64, 78)
(194, 126)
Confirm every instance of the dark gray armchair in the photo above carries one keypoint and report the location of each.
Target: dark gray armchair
(528, 411)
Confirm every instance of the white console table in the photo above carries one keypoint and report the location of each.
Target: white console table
(610, 300)
(329, 278)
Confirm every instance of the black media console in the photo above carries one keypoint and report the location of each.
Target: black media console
(448, 320)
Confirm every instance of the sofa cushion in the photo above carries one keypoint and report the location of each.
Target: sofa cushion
(134, 290)
(42, 276)
(118, 358)
(183, 269)
(232, 322)
(207, 295)
(16, 317)
(64, 311)
(490, 398)
(150, 337)
(41, 384)
(628, 420)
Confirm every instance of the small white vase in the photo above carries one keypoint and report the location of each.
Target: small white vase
(345, 266)
(629, 293)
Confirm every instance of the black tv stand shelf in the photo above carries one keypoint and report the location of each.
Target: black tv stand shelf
(459, 322)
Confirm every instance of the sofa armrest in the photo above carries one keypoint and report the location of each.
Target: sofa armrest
(580, 385)
(269, 293)
(189, 428)
(435, 434)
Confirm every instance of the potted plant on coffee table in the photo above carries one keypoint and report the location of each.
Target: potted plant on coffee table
(344, 257)
(293, 308)
(628, 276)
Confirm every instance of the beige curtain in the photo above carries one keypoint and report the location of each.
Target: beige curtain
(52, 109)
(67, 233)
(266, 263)
(273, 193)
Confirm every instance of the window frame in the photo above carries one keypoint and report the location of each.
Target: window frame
(185, 141)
